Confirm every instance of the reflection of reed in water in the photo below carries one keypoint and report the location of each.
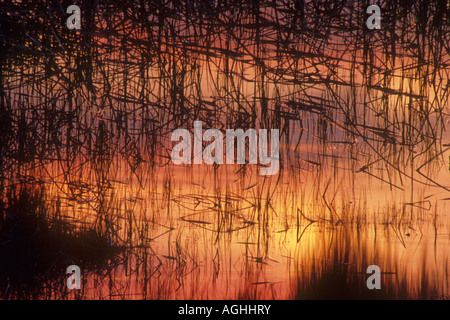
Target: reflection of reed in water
(341, 272)
(82, 110)
(37, 245)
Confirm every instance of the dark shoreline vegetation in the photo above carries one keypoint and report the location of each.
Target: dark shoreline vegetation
(85, 172)
(37, 246)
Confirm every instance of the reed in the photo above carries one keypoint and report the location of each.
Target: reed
(85, 124)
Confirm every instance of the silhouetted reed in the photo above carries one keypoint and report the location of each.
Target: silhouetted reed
(86, 117)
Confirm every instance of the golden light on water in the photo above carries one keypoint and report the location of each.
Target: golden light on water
(218, 237)
(86, 120)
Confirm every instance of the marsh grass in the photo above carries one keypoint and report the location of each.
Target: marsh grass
(340, 273)
(36, 247)
(87, 116)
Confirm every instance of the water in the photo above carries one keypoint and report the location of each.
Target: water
(364, 152)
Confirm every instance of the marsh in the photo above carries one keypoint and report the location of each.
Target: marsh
(360, 175)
